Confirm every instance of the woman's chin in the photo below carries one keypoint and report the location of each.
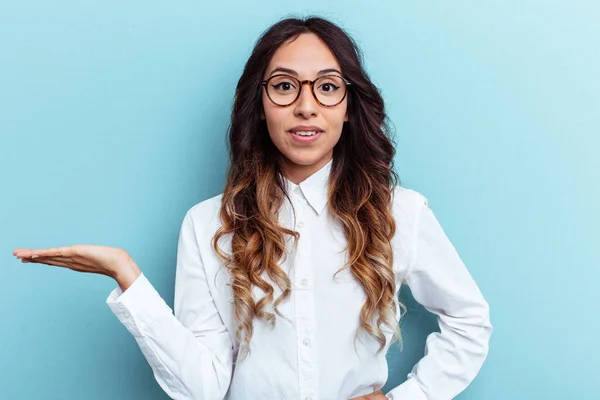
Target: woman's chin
(306, 160)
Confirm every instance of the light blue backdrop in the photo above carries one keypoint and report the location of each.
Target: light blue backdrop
(112, 121)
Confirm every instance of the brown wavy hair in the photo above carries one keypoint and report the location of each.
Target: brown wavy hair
(360, 190)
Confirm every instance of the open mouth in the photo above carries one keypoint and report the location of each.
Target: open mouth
(305, 133)
(305, 136)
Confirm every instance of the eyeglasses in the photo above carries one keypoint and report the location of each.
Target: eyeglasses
(284, 90)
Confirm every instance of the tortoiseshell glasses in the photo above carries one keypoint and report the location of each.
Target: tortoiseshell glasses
(328, 90)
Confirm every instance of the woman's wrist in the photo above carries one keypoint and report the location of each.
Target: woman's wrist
(126, 273)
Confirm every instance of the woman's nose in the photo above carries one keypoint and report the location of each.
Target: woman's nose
(306, 103)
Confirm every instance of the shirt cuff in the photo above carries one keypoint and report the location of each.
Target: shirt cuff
(139, 306)
(409, 390)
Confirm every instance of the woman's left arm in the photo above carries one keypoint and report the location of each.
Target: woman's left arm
(440, 281)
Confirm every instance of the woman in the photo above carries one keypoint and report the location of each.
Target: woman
(286, 283)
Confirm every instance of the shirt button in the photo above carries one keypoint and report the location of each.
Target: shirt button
(306, 342)
(300, 225)
(308, 398)
(297, 190)
(304, 282)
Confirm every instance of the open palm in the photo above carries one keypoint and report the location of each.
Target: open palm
(79, 257)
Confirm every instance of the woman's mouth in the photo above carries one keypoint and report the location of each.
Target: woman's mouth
(305, 137)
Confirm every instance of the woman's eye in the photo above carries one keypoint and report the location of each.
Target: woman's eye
(284, 86)
(329, 87)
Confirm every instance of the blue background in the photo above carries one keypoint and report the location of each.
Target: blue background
(113, 118)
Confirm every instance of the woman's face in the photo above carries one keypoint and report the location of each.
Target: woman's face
(307, 55)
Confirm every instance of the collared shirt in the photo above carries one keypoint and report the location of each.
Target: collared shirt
(310, 354)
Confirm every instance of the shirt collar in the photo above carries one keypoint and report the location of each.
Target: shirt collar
(314, 187)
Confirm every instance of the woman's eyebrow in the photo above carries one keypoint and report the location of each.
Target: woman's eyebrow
(294, 73)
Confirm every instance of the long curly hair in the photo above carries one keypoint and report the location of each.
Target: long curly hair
(360, 190)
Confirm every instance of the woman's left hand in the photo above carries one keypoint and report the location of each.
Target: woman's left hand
(378, 395)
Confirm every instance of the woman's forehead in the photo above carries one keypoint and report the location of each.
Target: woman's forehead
(306, 55)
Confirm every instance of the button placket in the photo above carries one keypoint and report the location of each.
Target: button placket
(308, 372)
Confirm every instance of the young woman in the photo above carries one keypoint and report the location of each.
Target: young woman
(287, 282)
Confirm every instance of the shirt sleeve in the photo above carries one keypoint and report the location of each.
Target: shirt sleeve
(440, 281)
(190, 352)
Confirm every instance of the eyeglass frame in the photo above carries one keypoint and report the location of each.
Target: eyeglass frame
(301, 85)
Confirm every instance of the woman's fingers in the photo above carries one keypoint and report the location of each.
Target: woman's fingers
(50, 261)
(65, 251)
(63, 262)
(44, 259)
(82, 257)
(20, 252)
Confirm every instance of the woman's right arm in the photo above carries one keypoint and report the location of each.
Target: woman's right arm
(191, 352)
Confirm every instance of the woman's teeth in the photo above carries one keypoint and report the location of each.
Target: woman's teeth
(305, 133)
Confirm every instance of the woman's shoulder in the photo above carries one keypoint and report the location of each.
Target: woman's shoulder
(407, 206)
(206, 212)
(405, 199)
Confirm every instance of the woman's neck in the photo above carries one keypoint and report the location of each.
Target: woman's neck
(297, 173)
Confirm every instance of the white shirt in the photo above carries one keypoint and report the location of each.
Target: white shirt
(311, 355)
